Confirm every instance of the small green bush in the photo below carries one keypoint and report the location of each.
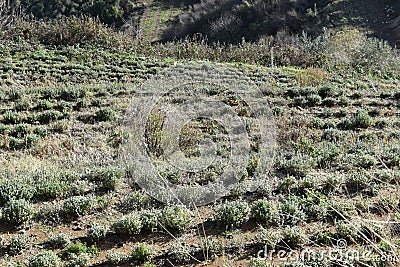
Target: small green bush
(292, 212)
(18, 243)
(15, 94)
(142, 253)
(96, 232)
(176, 219)
(18, 211)
(13, 117)
(116, 257)
(358, 181)
(232, 214)
(180, 253)
(21, 130)
(151, 218)
(361, 119)
(44, 259)
(77, 206)
(130, 224)
(294, 236)
(346, 231)
(14, 190)
(267, 237)
(266, 212)
(72, 93)
(59, 241)
(108, 177)
(46, 189)
(134, 201)
(79, 260)
(327, 90)
(105, 114)
(78, 248)
(44, 104)
(49, 116)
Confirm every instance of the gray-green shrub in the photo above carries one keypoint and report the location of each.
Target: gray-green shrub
(232, 214)
(18, 211)
(44, 259)
(130, 224)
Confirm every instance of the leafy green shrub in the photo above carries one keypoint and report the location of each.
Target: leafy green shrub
(17, 211)
(44, 105)
(130, 224)
(96, 232)
(4, 128)
(313, 100)
(13, 117)
(346, 231)
(232, 214)
(151, 218)
(15, 94)
(78, 248)
(294, 236)
(18, 243)
(292, 212)
(327, 90)
(79, 260)
(366, 160)
(134, 201)
(317, 123)
(59, 241)
(296, 164)
(391, 156)
(44, 259)
(49, 116)
(109, 177)
(361, 119)
(266, 212)
(77, 206)
(341, 210)
(357, 182)
(21, 130)
(267, 237)
(105, 114)
(72, 93)
(142, 253)
(180, 253)
(332, 135)
(46, 189)
(176, 219)
(213, 246)
(116, 257)
(50, 93)
(13, 189)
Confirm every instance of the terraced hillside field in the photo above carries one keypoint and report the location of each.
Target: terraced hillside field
(67, 199)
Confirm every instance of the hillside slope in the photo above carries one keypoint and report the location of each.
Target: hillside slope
(66, 197)
(229, 20)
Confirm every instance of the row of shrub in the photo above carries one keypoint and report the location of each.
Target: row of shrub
(348, 49)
